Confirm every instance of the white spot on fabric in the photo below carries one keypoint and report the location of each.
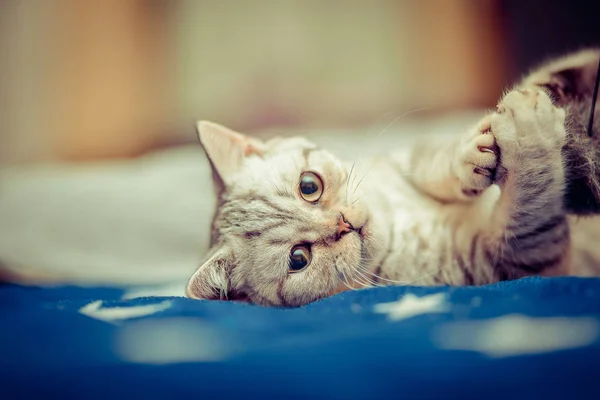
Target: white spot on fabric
(171, 340)
(476, 301)
(169, 290)
(411, 305)
(355, 308)
(116, 314)
(514, 335)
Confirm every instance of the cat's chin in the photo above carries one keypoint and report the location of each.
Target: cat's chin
(350, 285)
(344, 287)
(364, 232)
(340, 289)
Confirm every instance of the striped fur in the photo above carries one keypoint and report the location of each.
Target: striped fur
(486, 207)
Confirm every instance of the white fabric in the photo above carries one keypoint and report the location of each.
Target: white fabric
(142, 221)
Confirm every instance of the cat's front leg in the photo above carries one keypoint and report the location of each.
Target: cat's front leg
(476, 160)
(457, 170)
(528, 232)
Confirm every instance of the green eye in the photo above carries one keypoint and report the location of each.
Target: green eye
(299, 258)
(311, 187)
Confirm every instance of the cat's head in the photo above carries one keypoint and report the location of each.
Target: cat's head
(288, 228)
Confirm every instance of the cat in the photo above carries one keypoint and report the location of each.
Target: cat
(570, 81)
(295, 224)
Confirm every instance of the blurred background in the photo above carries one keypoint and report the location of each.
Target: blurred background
(89, 79)
(84, 82)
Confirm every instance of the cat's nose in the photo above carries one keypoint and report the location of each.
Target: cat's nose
(343, 227)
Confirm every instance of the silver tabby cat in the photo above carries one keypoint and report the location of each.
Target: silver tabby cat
(295, 224)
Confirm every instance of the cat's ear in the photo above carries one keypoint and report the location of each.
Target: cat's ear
(211, 280)
(226, 148)
(568, 77)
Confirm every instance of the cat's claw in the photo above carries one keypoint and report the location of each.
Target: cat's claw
(477, 159)
(525, 126)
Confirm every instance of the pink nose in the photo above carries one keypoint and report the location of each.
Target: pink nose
(343, 227)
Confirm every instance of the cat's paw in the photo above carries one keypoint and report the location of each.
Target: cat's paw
(528, 128)
(477, 159)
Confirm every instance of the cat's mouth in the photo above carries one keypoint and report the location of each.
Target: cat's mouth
(360, 232)
(363, 232)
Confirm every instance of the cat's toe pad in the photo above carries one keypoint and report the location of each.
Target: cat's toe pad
(478, 160)
(527, 125)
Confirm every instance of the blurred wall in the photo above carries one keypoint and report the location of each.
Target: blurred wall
(342, 62)
(82, 79)
(560, 26)
(86, 79)
(21, 77)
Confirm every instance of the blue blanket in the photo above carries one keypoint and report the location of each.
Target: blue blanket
(532, 338)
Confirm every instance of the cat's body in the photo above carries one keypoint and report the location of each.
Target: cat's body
(570, 80)
(295, 224)
(429, 215)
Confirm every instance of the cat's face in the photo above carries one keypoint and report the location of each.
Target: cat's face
(289, 228)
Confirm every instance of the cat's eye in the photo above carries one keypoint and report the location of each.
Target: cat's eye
(300, 258)
(311, 187)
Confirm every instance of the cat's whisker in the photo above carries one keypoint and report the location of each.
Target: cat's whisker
(348, 180)
(372, 277)
(364, 176)
(379, 135)
(356, 279)
(364, 285)
(400, 117)
(384, 130)
(358, 153)
(285, 192)
(346, 282)
(367, 279)
(410, 282)
(377, 277)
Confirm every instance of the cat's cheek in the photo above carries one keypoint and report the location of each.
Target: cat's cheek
(366, 231)
(339, 289)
